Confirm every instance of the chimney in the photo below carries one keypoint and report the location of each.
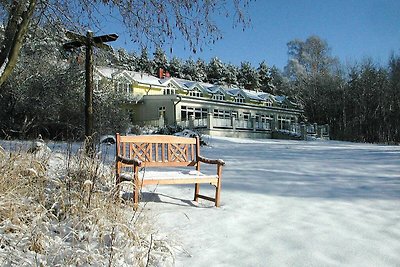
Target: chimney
(167, 75)
(160, 73)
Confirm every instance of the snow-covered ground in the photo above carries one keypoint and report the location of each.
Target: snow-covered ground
(284, 203)
(288, 203)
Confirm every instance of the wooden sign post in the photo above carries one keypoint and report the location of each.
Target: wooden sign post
(89, 41)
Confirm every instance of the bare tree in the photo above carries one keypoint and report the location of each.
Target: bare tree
(156, 22)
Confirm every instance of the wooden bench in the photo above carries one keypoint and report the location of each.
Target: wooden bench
(158, 151)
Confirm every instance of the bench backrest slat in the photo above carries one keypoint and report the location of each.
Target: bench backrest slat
(166, 139)
(159, 150)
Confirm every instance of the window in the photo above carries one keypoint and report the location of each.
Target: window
(246, 116)
(170, 90)
(123, 87)
(239, 99)
(221, 114)
(219, 97)
(283, 123)
(199, 113)
(234, 114)
(267, 103)
(265, 118)
(265, 121)
(161, 111)
(196, 93)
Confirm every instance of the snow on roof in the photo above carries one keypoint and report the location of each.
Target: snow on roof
(189, 85)
(280, 98)
(234, 92)
(144, 78)
(164, 80)
(215, 89)
(265, 96)
(139, 77)
(110, 73)
(207, 85)
(252, 94)
(106, 71)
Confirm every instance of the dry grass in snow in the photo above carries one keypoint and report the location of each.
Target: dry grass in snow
(60, 209)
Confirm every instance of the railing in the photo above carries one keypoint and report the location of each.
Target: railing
(243, 124)
(263, 125)
(154, 123)
(320, 131)
(197, 123)
(222, 123)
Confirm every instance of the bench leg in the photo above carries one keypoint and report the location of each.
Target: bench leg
(196, 192)
(217, 196)
(218, 187)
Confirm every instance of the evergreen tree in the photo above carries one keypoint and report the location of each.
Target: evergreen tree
(144, 64)
(201, 70)
(281, 85)
(215, 71)
(265, 78)
(160, 61)
(248, 76)
(189, 70)
(392, 104)
(176, 67)
(230, 75)
(125, 60)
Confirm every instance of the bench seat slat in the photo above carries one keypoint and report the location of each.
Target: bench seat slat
(172, 175)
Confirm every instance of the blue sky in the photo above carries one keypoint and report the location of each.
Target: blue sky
(354, 30)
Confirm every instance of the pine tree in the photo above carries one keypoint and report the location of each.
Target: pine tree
(189, 70)
(160, 61)
(176, 67)
(265, 78)
(144, 64)
(280, 83)
(215, 71)
(201, 70)
(248, 76)
(231, 74)
(125, 59)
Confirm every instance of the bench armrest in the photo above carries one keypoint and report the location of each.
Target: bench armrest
(134, 162)
(211, 161)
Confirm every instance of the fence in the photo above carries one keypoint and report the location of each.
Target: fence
(252, 124)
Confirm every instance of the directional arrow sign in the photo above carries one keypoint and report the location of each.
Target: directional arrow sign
(74, 44)
(105, 38)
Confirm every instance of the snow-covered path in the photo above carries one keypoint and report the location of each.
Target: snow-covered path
(288, 203)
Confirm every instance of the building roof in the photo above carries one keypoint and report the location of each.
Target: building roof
(111, 73)
(188, 85)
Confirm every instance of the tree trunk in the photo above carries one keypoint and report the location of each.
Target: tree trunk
(16, 29)
(89, 94)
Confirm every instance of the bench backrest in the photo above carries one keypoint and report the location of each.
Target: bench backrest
(159, 150)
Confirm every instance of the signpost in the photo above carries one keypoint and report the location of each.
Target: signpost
(89, 41)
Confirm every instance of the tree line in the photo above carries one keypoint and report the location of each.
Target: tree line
(361, 102)
(215, 71)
